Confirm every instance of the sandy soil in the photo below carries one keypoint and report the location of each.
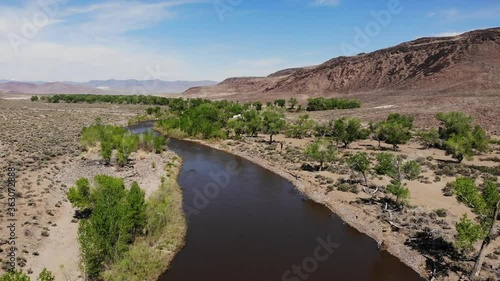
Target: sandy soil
(60, 251)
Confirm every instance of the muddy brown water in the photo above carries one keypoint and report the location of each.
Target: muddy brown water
(246, 223)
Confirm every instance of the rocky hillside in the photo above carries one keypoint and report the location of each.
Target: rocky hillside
(467, 63)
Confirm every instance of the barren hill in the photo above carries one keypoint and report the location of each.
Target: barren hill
(466, 63)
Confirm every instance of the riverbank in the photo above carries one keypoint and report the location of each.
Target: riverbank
(157, 175)
(355, 216)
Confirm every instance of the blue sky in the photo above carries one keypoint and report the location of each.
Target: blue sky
(212, 39)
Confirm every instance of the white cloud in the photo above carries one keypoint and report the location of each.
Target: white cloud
(57, 62)
(326, 2)
(90, 44)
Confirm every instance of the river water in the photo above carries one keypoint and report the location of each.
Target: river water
(249, 224)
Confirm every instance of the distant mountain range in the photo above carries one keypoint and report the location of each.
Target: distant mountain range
(124, 87)
(467, 63)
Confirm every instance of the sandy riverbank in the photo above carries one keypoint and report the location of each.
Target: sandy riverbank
(60, 251)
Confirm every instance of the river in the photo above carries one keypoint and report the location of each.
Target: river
(249, 224)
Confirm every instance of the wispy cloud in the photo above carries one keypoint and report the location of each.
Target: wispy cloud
(119, 17)
(455, 14)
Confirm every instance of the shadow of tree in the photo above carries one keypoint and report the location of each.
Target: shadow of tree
(439, 252)
(82, 214)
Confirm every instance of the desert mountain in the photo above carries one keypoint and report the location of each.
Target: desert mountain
(125, 87)
(469, 62)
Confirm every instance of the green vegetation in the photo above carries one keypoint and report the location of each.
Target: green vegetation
(45, 275)
(117, 218)
(292, 102)
(322, 151)
(316, 104)
(395, 130)
(280, 102)
(485, 204)
(110, 138)
(398, 170)
(300, 127)
(34, 98)
(430, 138)
(459, 138)
(360, 163)
(164, 230)
(272, 123)
(348, 130)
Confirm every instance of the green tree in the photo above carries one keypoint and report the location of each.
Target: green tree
(126, 145)
(280, 102)
(398, 170)
(117, 216)
(258, 105)
(395, 130)
(460, 147)
(253, 122)
(395, 134)
(272, 123)
(468, 233)
(79, 196)
(292, 102)
(106, 150)
(237, 126)
(430, 138)
(34, 98)
(360, 163)
(486, 205)
(461, 139)
(322, 151)
(454, 123)
(348, 130)
(300, 127)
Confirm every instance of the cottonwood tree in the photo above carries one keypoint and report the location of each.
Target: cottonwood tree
(396, 130)
(322, 151)
(430, 138)
(253, 122)
(398, 170)
(280, 102)
(117, 217)
(460, 138)
(360, 163)
(272, 123)
(486, 205)
(348, 130)
(237, 126)
(300, 127)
